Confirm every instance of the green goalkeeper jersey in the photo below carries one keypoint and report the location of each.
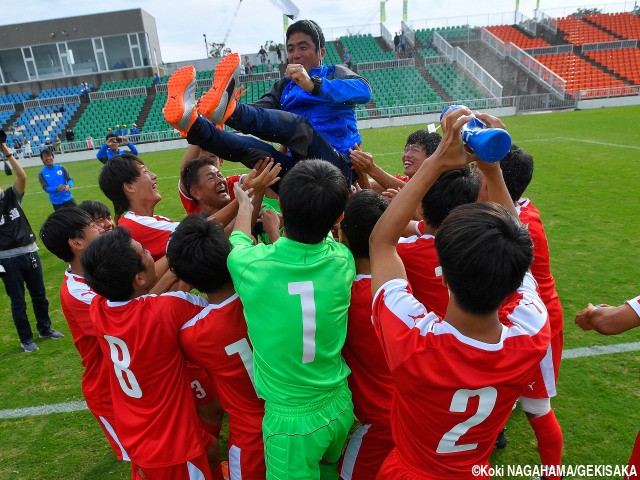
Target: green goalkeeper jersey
(295, 298)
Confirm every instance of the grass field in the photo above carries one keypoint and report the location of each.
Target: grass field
(585, 185)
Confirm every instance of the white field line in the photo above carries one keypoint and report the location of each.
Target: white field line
(76, 406)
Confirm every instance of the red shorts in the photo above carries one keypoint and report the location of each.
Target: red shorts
(245, 464)
(108, 427)
(544, 382)
(368, 446)
(195, 469)
(394, 468)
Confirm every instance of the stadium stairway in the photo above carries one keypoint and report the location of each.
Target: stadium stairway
(425, 74)
(146, 107)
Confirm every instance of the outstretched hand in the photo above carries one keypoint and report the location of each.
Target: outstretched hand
(263, 175)
(361, 161)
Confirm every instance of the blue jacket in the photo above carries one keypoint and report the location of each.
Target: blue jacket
(332, 113)
(105, 153)
(53, 176)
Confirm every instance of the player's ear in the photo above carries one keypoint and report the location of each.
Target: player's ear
(444, 281)
(76, 245)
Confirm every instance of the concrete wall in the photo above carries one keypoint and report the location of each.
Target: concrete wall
(608, 102)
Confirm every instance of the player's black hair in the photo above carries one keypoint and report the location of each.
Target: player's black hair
(313, 194)
(428, 141)
(308, 27)
(115, 173)
(110, 265)
(110, 135)
(451, 189)
(60, 227)
(197, 253)
(484, 252)
(517, 170)
(363, 210)
(189, 176)
(47, 150)
(96, 209)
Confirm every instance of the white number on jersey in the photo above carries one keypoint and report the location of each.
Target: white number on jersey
(200, 393)
(121, 366)
(459, 402)
(242, 348)
(305, 290)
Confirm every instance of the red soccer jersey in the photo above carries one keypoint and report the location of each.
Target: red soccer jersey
(75, 299)
(155, 414)
(530, 216)
(454, 393)
(404, 178)
(418, 253)
(218, 341)
(635, 304)
(370, 381)
(152, 232)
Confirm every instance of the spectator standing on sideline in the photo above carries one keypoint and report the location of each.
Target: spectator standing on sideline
(263, 54)
(247, 65)
(347, 59)
(20, 261)
(26, 147)
(110, 148)
(157, 78)
(135, 133)
(396, 41)
(70, 135)
(56, 181)
(57, 145)
(89, 141)
(279, 53)
(17, 148)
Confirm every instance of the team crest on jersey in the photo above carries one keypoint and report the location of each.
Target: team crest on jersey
(59, 172)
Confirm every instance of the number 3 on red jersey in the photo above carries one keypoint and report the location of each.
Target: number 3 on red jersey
(459, 402)
(126, 378)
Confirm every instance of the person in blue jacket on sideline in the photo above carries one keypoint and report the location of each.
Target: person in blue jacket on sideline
(56, 181)
(111, 147)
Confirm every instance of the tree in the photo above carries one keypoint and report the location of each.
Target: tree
(586, 11)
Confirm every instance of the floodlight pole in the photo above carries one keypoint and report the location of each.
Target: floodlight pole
(206, 46)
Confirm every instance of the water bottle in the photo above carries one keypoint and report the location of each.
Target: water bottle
(490, 144)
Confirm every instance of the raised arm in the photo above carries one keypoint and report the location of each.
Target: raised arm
(363, 163)
(385, 262)
(20, 183)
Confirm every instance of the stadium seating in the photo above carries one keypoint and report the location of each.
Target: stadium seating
(625, 62)
(626, 25)
(578, 32)
(62, 92)
(102, 114)
(400, 87)
(428, 52)
(4, 118)
(425, 36)
(129, 83)
(332, 57)
(39, 123)
(16, 97)
(453, 83)
(507, 33)
(365, 48)
(579, 74)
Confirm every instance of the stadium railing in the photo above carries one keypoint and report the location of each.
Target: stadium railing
(550, 23)
(400, 63)
(47, 102)
(409, 33)
(590, 47)
(484, 79)
(125, 92)
(552, 50)
(526, 23)
(7, 107)
(526, 61)
(388, 38)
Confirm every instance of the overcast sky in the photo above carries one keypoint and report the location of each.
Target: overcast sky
(182, 23)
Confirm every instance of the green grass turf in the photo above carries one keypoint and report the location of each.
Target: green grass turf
(587, 195)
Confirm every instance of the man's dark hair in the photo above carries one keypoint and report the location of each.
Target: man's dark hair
(484, 252)
(47, 150)
(313, 194)
(428, 141)
(197, 253)
(95, 209)
(115, 173)
(110, 135)
(308, 27)
(517, 170)
(110, 264)
(362, 212)
(60, 227)
(189, 175)
(451, 189)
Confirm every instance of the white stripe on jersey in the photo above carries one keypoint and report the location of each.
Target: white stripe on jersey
(530, 315)
(112, 432)
(235, 465)
(405, 306)
(414, 238)
(194, 472)
(635, 304)
(207, 310)
(189, 297)
(361, 277)
(78, 289)
(548, 373)
(351, 452)
(156, 222)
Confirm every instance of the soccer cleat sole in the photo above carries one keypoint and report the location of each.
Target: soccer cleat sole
(180, 109)
(218, 103)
